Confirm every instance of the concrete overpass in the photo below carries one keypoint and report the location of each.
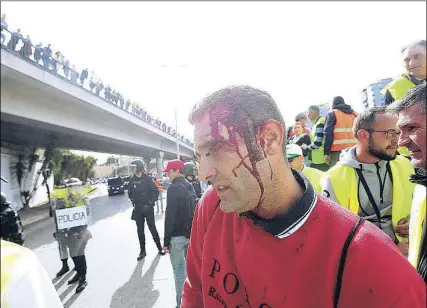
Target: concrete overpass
(38, 106)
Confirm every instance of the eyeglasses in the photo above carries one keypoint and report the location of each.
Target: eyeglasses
(390, 134)
(291, 159)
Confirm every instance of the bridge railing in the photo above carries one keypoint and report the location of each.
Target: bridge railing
(55, 64)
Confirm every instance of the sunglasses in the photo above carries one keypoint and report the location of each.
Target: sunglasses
(291, 159)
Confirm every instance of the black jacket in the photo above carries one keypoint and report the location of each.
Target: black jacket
(331, 120)
(11, 226)
(303, 139)
(177, 209)
(196, 185)
(142, 190)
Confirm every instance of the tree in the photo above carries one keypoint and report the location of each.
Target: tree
(71, 165)
(26, 161)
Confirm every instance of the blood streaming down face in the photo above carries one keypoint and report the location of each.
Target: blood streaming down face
(234, 158)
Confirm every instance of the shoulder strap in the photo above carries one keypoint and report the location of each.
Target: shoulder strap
(368, 192)
(342, 261)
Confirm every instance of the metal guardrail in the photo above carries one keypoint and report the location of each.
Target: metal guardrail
(54, 63)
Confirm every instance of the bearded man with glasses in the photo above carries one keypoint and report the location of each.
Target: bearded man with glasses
(371, 180)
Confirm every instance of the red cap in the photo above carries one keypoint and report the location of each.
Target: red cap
(174, 164)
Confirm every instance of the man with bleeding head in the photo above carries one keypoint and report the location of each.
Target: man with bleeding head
(262, 220)
(370, 179)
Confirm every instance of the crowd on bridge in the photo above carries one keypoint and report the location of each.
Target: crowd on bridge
(58, 64)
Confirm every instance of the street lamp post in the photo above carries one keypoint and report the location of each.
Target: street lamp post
(176, 131)
(174, 81)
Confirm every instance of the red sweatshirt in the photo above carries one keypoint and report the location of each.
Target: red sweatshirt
(235, 261)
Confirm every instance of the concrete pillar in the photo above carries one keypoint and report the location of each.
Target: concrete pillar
(147, 161)
(159, 164)
(159, 167)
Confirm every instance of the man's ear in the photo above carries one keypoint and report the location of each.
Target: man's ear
(362, 134)
(270, 137)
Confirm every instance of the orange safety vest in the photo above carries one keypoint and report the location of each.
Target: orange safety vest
(343, 131)
(159, 186)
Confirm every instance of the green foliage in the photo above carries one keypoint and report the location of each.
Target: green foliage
(25, 162)
(69, 165)
(62, 163)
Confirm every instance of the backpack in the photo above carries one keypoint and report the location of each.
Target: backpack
(191, 200)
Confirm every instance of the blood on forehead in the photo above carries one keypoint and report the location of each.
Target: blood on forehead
(218, 114)
(237, 122)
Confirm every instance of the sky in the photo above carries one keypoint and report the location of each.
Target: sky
(167, 54)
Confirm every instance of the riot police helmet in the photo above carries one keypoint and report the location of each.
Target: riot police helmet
(4, 199)
(189, 169)
(139, 165)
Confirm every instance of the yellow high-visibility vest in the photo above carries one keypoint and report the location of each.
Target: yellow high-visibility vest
(398, 87)
(314, 176)
(417, 218)
(317, 155)
(344, 181)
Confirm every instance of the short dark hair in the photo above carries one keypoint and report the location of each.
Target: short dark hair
(416, 43)
(416, 96)
(366, 119)
(314, 108)
(246, 109)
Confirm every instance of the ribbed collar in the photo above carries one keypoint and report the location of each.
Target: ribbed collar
(290, 221)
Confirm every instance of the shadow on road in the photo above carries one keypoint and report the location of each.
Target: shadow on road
(58, 282)
(70, 289)
(71, 300)
(138, 291)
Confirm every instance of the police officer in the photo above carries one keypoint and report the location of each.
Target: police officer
(72, 241)
(189, 175)
(143, 193)
(11, 225)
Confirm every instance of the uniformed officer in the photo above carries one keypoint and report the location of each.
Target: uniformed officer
(143, 193)
(189, 175)
(11, 226)
(72, 241)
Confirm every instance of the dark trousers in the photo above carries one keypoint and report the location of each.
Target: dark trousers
(80, 264)
(140, 226)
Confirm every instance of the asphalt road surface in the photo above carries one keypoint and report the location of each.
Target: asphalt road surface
(115, 278)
